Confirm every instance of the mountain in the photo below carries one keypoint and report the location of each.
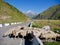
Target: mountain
(9, 13)
(30, 14)
(51, 13)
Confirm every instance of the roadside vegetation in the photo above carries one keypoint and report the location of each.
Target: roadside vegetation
(54, 24)
(51, 43)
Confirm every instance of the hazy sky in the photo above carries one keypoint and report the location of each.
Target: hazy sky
(36, 6)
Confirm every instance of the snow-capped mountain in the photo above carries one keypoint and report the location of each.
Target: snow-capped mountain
(30, 13)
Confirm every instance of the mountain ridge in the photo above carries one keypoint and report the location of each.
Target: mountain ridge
(51, 13)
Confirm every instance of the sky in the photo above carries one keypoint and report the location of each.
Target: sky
(37, 6)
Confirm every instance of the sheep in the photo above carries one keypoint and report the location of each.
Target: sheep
(49, 36)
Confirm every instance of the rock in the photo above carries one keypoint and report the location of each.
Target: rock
(1, 25)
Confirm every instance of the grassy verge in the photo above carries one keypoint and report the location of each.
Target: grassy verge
(51, 43)
(54, 24)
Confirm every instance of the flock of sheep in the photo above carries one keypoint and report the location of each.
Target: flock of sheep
(42, 32)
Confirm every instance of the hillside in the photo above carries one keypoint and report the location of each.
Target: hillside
(9, 13)
(51, 13)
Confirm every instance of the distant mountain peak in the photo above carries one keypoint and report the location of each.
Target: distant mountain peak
(30, 12)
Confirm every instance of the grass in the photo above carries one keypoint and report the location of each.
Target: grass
(54, 24)
(51, 43)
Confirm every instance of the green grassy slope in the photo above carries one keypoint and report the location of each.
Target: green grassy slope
(51, 13)
(8, 13)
